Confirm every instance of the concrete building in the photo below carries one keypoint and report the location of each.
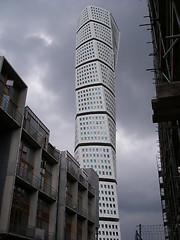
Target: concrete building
(165, 27)
(97, 45)
(36, 179)
(80, 201)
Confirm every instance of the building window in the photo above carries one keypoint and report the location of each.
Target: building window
(26, 162)
(68, 224)
(43, 210)
(45, 176)
(8, 95)
(20, 210)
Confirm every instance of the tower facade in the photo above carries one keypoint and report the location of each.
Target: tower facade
(97, 45)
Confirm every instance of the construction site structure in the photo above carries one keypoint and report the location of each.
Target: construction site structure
(165, 29)
(150, 232)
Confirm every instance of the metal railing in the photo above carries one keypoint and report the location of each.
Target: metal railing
(29, 231)
(27, 175)
(38, 137)
(91, 189)
(71, 170)
(33, 133)
(91, 217)
(70, 203)
(82, 181)
(47, 189)
(10, 108)
(81, 211)
(52, 151)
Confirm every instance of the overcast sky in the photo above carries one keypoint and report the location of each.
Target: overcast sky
(38, 38)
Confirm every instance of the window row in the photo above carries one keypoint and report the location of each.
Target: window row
(106, 199)
(108, 226)
(106, 192)
(96, 155)
(103, 173)
(108, 186)
(107, 211)
(98, 166)
(107, 205)
(99, 149)
(90, 91)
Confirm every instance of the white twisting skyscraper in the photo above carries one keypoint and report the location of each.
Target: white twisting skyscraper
(97, 45)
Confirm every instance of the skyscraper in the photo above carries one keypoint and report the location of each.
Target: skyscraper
(97, 44)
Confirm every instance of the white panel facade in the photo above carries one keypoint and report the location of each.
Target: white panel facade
(97, 44)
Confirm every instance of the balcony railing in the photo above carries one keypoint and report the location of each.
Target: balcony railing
(47, 189)
(26, 231)
(30, 232)
(82, 211)
(33, 133)
(10, 108)
(52, 151)
(70, 203)
(82, 181)
(91, 217)
(91, 189)
(27, 176)
(71, 170)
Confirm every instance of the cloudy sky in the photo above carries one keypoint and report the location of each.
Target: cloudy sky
(38, 39)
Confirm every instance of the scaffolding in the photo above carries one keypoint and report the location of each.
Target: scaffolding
(165, 28)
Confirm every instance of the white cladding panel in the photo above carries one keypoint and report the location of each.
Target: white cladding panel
(94, 50)
(95, 128)
(93, 30)
(100, 158)
(95, 72)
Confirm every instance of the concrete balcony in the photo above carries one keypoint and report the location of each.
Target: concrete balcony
(18, 231)
(91, 217)
(72, 172)
(91, 190)
(12, 96)
(26, 177)
(82, 181)
(82, 212)
(10, 116)
(32, 182)
(51, 153)
(71, 205)
(33, 135)
(47, 192)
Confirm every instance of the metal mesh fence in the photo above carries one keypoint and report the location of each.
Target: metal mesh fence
(151, 232)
